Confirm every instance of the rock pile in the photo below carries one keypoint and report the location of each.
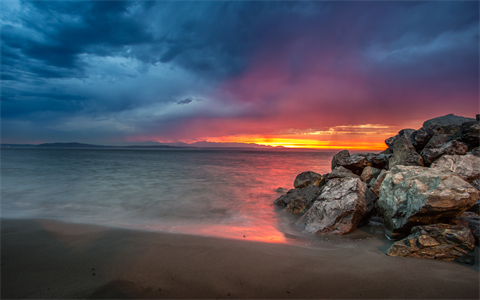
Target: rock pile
(419, 187)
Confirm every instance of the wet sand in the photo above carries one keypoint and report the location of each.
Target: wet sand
(49, 259)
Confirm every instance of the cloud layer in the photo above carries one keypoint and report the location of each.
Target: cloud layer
(107, 71)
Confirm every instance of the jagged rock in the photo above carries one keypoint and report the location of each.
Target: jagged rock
(467, 166)
(339, 155)
(405, 133)
(341, 172)
(476, 207)
(369, 173)
(404, 154)
(450, 148)
(435, 141)
(309, 178)
(371, 206)
(298, 200)
(471, 134)
(355, 163)
(412, 196)
(437, 241)
(449, 125)
(379, 161)
(476, 152)
(338, 209)
(472, 221)
(378, 182)
(386, 151)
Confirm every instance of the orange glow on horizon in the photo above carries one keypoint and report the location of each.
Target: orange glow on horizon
(304, 143)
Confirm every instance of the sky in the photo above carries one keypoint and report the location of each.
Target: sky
(341, 75)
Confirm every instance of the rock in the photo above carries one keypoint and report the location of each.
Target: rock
(404, 154)
(298, 200)
(355, 163)
(451, 148)
(371, 205)
(386, 151)
(435, 141)
(449, 125)
(405, 133)
(472, 221)
(338, 209)
(467, 166)
(339, 155)
(476, 207)
(449, 122)
(378, 182)
(309, 178)
(411, 195)
(471, 134)
(281, 190)
(476, 152)
(379, 161)
(369, 173)
(341, 172)
(437, 241)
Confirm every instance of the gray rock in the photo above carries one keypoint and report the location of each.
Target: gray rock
(451, 148)
(476, 151)
(467, 166)
(472, 221)
(404, 154)
(369, 173)
(476, 207)
(341, 172)
(449, 120)
(298, 200)
(412, 196)
(378, 182)
(338, 209)
(339, 155)
(471, 134)
(436, 141)
(379, 161)
(405, 133)
(309, 178)
(437, 241)
(355, 163)
(449, 125)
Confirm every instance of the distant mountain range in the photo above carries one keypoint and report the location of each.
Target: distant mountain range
(148, 145)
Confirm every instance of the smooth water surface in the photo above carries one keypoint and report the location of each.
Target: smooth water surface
(224, 193)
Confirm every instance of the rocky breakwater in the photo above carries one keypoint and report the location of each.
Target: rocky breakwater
(419, 189)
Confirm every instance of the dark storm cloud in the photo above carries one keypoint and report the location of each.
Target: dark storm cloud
(68, 61)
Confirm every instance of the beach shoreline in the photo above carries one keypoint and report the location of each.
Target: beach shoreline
(48, 259)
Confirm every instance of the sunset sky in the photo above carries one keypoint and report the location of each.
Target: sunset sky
(306, 74)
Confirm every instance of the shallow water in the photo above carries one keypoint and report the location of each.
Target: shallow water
(223, 193)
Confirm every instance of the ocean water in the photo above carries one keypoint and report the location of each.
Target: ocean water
(222, 193)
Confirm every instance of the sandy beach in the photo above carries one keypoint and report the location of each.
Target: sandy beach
(50, 259)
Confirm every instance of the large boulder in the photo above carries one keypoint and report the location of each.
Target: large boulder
(405, 133)
(470, 134)
(378, 182)
(309, 178)
(436, 141)
(472, 221)
(437, 241)
(412, 196)
(355, 163)
(449, 125)
(404, 154)
(299, 200)
(339, 155)
(338, 209)
(341, 172)
(467, 166)
(379, 161)
(450, 148)
(369, 175)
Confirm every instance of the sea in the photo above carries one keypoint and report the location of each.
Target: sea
(219, 193)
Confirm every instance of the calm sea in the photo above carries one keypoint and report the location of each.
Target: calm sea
(223, 193)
